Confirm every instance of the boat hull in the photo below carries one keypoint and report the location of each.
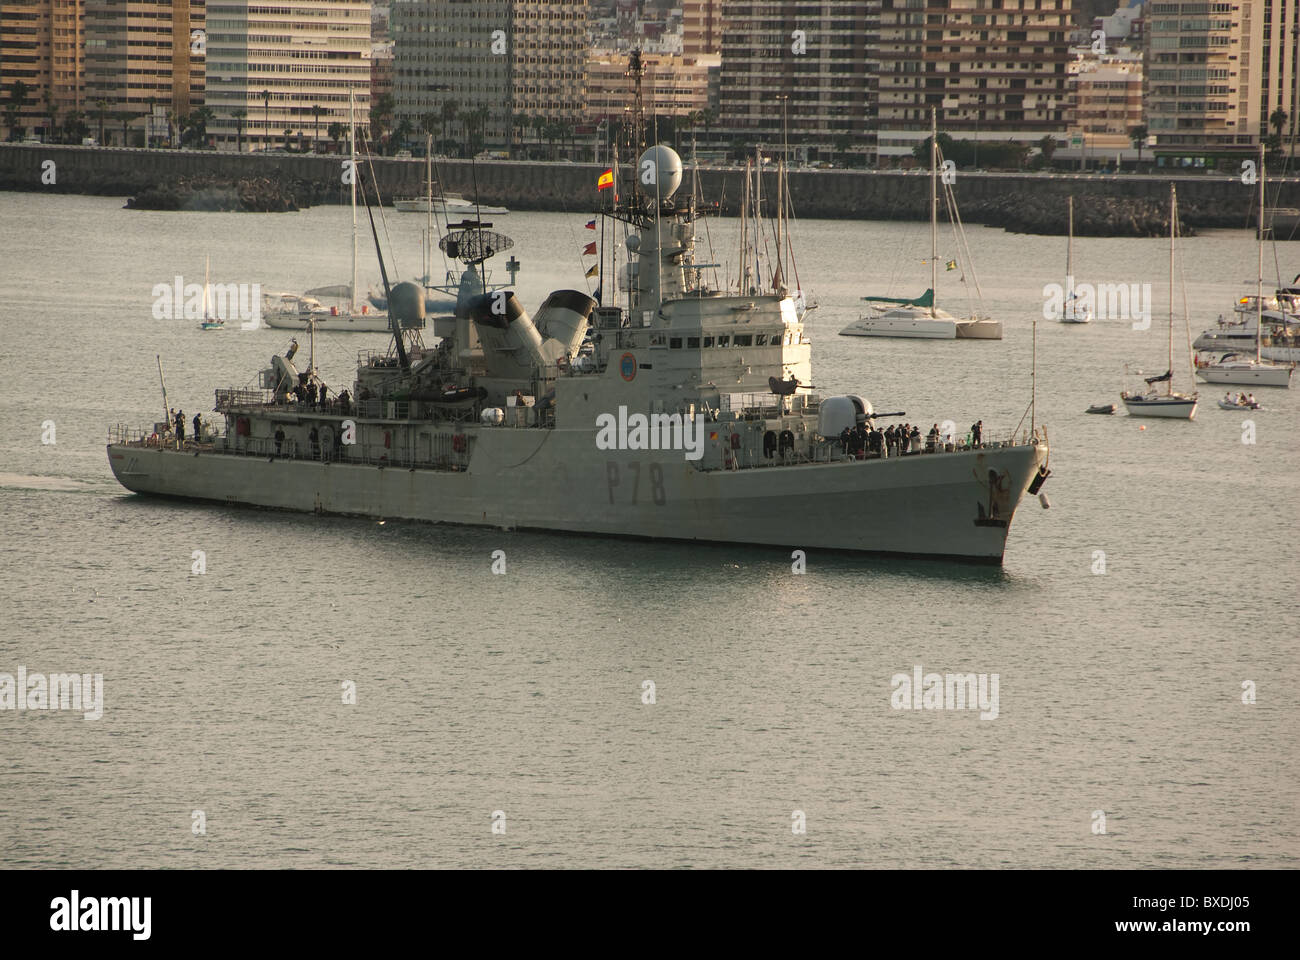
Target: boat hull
(979, 330)
(349, 324)
(1165, 409)
(919, 329)
(1247, 374)
(956, 505)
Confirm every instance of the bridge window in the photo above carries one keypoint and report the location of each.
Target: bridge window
(675, 343)
(692, 343)
(724, 340)
(708, 341)
(760, 340)
(744, 340)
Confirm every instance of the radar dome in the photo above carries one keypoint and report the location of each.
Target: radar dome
(659, 173)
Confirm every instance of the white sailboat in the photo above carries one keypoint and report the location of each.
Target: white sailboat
(306, 312)
(209, 322)
(1073, 312)
(1151, 403)
(1233, 368)
(918, 317)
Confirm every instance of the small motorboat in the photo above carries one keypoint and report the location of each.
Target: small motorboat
(1239, 405)
(1101, 408)
(212, 325)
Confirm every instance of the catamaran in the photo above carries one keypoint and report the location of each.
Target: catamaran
(919, 317)
(1150, 402)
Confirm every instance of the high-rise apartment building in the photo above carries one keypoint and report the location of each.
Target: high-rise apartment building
(548, 48)
(1205, 79)
(453, 57)
(285, 68)
(1105, 102)
(485, 65)
(796, 70)
(142, 56)
(42, 45)
(701, 27)
(993, 70)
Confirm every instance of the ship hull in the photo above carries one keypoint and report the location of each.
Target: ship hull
(953, 505)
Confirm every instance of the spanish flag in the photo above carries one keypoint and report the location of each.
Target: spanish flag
(595, 269)
(606, 180)
(590, 249)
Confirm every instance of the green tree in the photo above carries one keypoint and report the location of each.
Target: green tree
(266, 118)
(17, 97)
(1277, 120)
(1047, 147)
(335, 132)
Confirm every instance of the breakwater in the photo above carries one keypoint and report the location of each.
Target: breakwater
(1105, 205)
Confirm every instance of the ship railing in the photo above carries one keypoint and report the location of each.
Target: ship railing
(242, 397)
(442, 454)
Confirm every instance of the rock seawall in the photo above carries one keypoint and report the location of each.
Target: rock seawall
(1130, 205)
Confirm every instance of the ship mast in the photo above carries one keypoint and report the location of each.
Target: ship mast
(352, 149)
(934, 207)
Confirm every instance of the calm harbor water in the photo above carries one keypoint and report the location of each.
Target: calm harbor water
(1120, 691)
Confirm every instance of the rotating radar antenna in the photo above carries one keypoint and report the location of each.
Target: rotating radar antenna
(474, 245)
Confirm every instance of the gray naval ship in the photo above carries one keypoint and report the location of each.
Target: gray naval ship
(682, 413)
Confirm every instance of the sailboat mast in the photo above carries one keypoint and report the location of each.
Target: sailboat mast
(1069, 251)
(352, 149)
(1173, 225)
(934, 207)
(1259, 285)
(428, 207)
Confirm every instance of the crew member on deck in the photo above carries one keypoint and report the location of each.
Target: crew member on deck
(198, 428)
(180, 429)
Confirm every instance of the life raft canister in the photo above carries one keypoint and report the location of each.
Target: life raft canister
(388, 439)
(458, 442)
(735, 441)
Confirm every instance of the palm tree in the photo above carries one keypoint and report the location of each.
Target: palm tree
(381, 112)
(404, 128)
(335, 133)
(1138, 135)
(266, 117)
(450, 111)
(101, 112)
(238, 116)
(48, 99)
(315, 112)
(1277, 120)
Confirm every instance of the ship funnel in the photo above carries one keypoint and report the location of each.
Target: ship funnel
(406, 305)
(563, 318)
(659, 172)
(512, 347)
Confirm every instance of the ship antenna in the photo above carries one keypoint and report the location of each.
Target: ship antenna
(402, 358)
